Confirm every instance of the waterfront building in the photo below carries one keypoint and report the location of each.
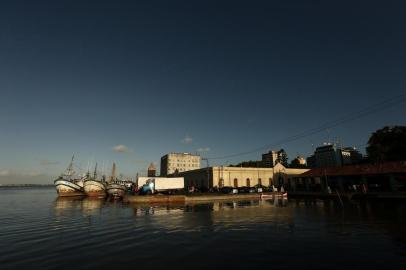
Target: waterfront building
(330, 155)
(383, 177)
(351, 155)
(311, 161)
(179, 162)
(221, 176)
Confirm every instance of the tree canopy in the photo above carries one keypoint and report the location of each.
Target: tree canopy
(296, 164)
(387, 144)
(282, 158)
(251, 163)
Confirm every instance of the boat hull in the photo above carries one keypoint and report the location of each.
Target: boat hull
(116, 190)
(66, 188)
(94, 188)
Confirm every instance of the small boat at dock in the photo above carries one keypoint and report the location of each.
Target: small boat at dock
(94, 187)
(67, 185)
(274, 195)
(117, 188)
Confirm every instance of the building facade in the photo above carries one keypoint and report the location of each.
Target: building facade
(151, 170)
(270, 159)
(221, 176)
(179, 162)
(329, 155)
(383, 177)
(351, 155)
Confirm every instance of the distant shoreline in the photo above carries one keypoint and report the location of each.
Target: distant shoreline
(25, 185)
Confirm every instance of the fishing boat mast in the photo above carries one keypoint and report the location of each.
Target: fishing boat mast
(95, 172)
(69, 171)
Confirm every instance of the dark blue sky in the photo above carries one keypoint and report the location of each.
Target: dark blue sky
(85, 76)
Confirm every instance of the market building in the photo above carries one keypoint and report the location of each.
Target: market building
(221, 176)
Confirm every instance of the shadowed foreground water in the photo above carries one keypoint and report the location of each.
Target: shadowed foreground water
(39, 231)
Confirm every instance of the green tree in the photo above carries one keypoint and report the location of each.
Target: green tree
(387, 144)
(295, 163)
(250, 163)
(282, 158)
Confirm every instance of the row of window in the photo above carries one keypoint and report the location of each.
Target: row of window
(179, 160)
(183, 164)
(179, 166)
(248, 182)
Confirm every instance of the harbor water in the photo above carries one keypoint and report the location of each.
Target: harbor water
(40, 231)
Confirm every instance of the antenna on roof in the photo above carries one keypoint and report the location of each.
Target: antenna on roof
(328, 135)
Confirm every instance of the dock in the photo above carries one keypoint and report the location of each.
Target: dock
(195, 198)
(210, 197)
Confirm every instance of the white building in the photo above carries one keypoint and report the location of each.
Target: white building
(180, 162)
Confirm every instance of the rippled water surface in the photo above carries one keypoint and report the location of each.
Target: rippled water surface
(40, 231)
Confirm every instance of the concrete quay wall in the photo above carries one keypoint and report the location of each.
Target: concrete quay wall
(193, 198)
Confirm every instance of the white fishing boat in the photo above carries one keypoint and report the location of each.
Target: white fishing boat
(67, 185)
(94, 187)
(116, 188)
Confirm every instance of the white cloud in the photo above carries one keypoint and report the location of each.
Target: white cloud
(121, 148)
(5, 173)
(187, 140)
(203, 149)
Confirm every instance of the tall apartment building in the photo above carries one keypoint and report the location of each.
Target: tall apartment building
(269, 159)
(181, 162)
(351, 155)
(329, 155)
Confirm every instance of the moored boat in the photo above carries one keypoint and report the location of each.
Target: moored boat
(94, 187)
(117, 188)
(66, 185)
(273, 195)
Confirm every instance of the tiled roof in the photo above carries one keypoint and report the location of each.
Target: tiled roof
(361, 169)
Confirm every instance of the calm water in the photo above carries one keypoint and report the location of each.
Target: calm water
(39, 231)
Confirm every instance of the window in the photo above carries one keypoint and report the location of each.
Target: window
(259, 181)
(248, 182)
(221, 182)
(235, 182)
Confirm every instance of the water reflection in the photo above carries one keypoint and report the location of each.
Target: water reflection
(280, 212)
(90, 205)
(233, 234)
(62, 203)
(86, 204)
